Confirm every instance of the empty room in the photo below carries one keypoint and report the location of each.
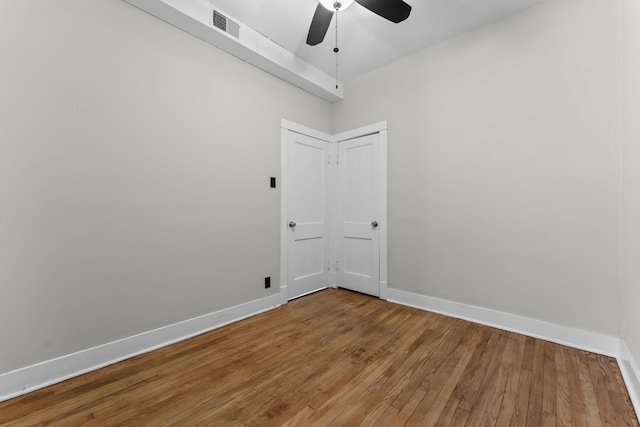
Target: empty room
(316, 212)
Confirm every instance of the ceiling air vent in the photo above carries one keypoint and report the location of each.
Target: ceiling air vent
(225, 24)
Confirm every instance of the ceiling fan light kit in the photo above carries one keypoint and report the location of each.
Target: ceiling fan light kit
(336, 4)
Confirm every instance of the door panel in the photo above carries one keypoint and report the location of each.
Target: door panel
(358, 213)
(357, 181)
(357, 256)
(307, 184)
(308, 204)
(308, 259)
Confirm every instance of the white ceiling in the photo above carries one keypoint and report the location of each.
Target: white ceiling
(366, 41)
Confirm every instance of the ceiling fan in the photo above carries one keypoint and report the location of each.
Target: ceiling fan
(393, 10)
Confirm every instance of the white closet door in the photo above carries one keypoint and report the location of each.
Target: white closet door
(308, 212)
(358, 214)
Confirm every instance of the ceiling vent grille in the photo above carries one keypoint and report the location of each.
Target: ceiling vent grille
(225, 24)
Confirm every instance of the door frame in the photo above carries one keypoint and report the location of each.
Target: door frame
(333, 140)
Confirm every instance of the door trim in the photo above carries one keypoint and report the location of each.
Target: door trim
(333, 140)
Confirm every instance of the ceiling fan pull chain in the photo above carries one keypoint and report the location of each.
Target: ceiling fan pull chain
(336, 49)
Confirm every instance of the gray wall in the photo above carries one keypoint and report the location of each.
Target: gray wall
(631, 182)
(504, 164)
(134, 172)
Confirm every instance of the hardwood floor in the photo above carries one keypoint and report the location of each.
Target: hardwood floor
(341, 358)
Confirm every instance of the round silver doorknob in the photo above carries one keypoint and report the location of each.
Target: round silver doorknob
(374, 224)
(292, 224)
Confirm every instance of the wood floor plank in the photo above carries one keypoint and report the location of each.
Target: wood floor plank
(549, 414)
(499, 391)
(521, 409)
(592, 411)
(508, 405)
(563, 390)
(534, 410)
(484, 393)
(576, 400)
(341, 358)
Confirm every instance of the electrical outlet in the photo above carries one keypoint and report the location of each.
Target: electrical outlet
(267, 282)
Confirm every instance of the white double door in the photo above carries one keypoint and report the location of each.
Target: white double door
(332, 219)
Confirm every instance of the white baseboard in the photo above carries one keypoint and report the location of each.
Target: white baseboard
(30, 378)
(572, 337)
(631, 375)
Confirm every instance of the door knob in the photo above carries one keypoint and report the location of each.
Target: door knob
(374, 224)
(292, 224)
